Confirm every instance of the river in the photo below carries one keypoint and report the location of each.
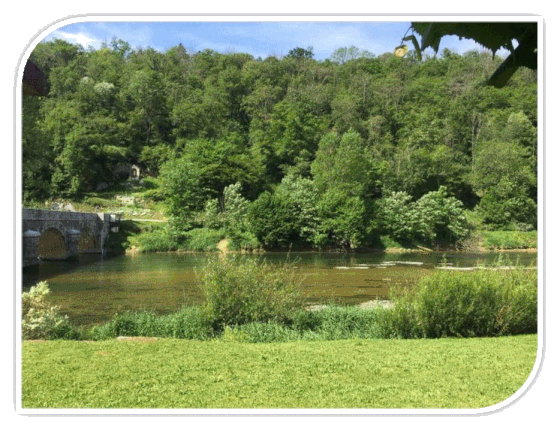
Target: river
(93, 289)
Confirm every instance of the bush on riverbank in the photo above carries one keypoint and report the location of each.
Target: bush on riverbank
(479, 303)
(239, 290)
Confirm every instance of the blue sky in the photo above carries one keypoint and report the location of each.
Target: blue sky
(258, 38)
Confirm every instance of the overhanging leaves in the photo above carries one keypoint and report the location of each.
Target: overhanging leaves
(491, 35)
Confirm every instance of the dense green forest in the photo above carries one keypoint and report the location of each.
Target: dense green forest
(277, 152)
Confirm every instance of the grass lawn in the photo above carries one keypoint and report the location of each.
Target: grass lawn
(171, 373)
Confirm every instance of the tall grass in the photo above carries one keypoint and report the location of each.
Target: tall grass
(188, 323)
(509, 239)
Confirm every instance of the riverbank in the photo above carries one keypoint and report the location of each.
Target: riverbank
(137, 237)
(137, 250)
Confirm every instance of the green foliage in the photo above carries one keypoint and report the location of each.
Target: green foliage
(495, 161)
(188, 323)
(203, 239)
(300, 196)
(342, 173)
(505, 207)
(228, 213)
(436, 217)
(289, 216)
(344, 221)
(243, 241)
(158, 238)
(239, 290)
(312, 144)
(36, 169)
(440, 217)
(348, 53)
(300, 53)
(509, 239)
(272, 221)
(342, 163)
(181, 187)
(397, 217)
(483, 303)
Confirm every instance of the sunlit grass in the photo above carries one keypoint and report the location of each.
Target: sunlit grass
(354, 373)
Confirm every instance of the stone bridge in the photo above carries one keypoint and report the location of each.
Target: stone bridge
(57, 235)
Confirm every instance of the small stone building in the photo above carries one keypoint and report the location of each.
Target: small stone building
(127, 171)
(134, 173)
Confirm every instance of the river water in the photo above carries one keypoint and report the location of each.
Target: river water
(93, 289)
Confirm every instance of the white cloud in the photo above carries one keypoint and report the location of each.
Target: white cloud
(138, 35)
(96, 33)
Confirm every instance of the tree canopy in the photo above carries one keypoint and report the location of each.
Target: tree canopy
(304, 151)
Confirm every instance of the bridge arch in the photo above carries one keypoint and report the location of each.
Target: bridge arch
(58, 235)
(52, 245)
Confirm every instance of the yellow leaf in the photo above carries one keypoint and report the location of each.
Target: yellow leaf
(401, 51)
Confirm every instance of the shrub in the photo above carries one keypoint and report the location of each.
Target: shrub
(344, 220)
(435, 217)
(41, 320)
(203, 239)
(228, 213)
(243, 241)
(241, 290)
(300, 195)
(481, 303)
(159, 239)
(440, 217)
(396, 216)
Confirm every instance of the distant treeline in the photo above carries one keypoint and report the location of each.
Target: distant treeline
(280, 151)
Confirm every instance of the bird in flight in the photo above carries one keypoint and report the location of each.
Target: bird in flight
(80, 38)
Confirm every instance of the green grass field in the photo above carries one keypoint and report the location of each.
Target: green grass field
(355, 373)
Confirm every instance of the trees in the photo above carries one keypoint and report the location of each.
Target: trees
(348, 53)
(147, 111)
(300, 53)
(505, 206)
(313, 145)
(181, 187)
(36, 153)
(289, 216)
(202, 172)
(342, 173)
